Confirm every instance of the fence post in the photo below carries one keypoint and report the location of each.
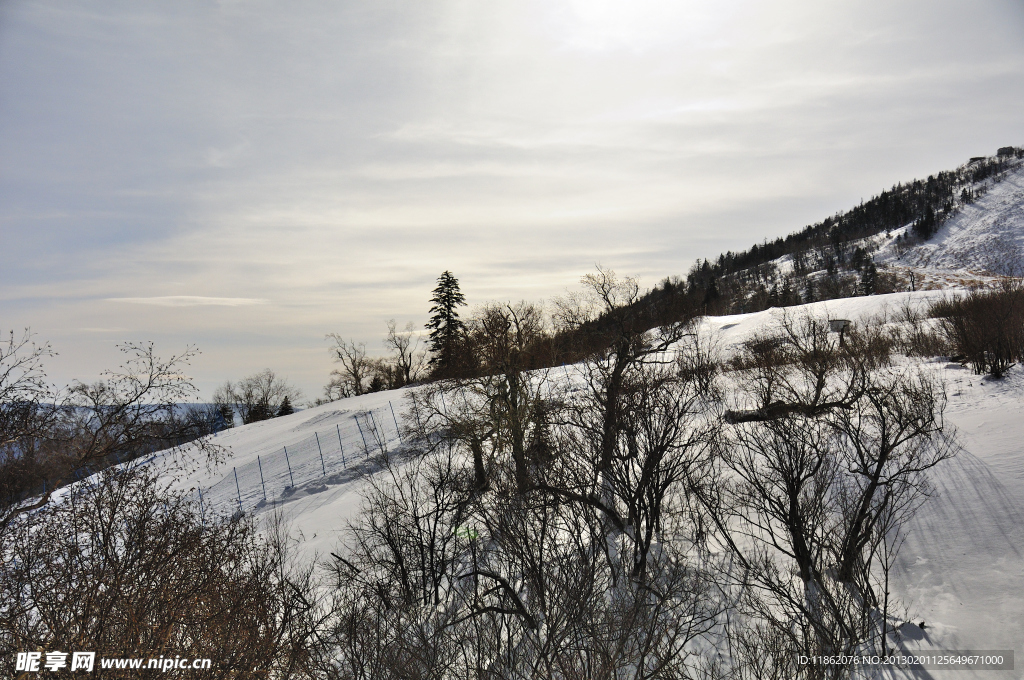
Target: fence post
(381, 436)
(366, 449)
(202, 507)
(238, 489)
(289, 466)
(397, 428)
(262, 483)
(321, 452)
(342, 446)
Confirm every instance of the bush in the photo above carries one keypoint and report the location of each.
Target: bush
(985, 328)
(915, 335)
(126, 569)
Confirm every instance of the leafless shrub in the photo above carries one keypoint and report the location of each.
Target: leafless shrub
(805, 368)
(444, 581)
(916, 335)
(818, 481)
(557, 572)
(56, 436)
(985, 328)
(124, 568)
(654, 538)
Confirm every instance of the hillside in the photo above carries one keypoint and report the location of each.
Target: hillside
(858, 251)
(959, 570)
(954, 582)
(985, 238)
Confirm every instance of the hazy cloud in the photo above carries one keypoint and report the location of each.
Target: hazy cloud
(190, 301)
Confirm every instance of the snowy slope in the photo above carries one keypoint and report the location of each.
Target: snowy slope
(316, 486)
(985, 237)
(961, 569)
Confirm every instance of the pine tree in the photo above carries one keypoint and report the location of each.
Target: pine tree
(259, 411)
(869, 279)
(286, 408)
(446, 329)
(927, 225)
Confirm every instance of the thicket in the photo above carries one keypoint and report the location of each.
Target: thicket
(123, 568)
(985, 328)
(651, 513)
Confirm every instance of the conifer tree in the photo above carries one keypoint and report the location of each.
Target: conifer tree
(869, 279)
(446, 329)
(927, 225)
(286, 408)
(225, 417)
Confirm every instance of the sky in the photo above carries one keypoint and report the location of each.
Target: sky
(246, 177)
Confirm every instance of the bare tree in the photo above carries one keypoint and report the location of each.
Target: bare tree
(355, 369)
(503, 335)
(893, 435)
(398, 580)
(125, 569)
(408, 358)
(445, 580)
(455, 414)
(129, 412)
(24, 391)
(625, 343)
(27, 412)
(259, 396)
(822, 475)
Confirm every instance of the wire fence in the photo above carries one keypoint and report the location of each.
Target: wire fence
(325, 454)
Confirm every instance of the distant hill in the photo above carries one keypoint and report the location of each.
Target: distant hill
(957, 227)
(967, 220)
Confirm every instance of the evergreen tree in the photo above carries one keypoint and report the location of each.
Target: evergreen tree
(869, 279)
(927, 225)
(286, 408)
(446, 329)
(859, 259)
(259, 411)
(225, 417)
(809, 293)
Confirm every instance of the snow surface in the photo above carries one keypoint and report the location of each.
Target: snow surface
(961, 570)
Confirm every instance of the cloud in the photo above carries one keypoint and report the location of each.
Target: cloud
(334, 158)
(190, 301)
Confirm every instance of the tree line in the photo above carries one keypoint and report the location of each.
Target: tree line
(747, 281)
